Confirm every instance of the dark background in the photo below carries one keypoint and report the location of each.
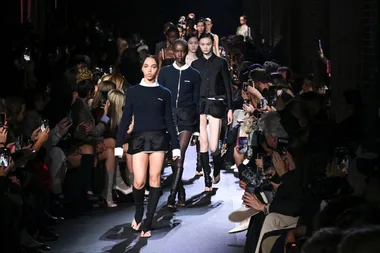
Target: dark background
(349, 30)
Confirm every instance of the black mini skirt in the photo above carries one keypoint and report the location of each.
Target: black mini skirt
(148, 142)
(186, 118)
(215, 108)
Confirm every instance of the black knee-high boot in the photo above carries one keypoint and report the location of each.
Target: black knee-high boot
(154, 196)
(177, 179)
(206, 168)
(217, 159)
(199, 165)
(181, 194)
(87, 165)
(138, 196)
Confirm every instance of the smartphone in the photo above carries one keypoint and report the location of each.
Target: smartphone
(263, 103)
(69, 115)
(3, 118)
(245, 86)
(243, 144)
(44, 124)
(4, 159)
(282, 146)
(103, 99)
(250, 188)
(19, 143)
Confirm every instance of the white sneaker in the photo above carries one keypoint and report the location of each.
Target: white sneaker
(241, 214)
(241, 227)
(233, 167)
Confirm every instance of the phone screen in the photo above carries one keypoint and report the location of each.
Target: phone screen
(44, 125)
(243, 144)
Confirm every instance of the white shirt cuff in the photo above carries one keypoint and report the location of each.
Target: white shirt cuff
(119, 152)
(176, 153)
(196, 134)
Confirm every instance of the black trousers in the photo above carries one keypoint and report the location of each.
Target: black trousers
(253, 233)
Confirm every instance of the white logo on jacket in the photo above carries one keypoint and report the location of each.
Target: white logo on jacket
(187, 81)
(160, 99)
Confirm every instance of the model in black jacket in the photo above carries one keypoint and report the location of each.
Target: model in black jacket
(216, 100)
(183, 81)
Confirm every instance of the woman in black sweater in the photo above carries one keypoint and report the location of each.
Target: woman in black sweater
(215, 101)
(150, 105)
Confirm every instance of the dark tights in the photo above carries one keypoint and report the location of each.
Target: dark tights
(184, 140)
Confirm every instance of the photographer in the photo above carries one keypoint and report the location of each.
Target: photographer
(283, 211)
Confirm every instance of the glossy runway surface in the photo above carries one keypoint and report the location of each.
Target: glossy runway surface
(201, 227)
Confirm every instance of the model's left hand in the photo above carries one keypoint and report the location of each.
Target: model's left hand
(229, 117)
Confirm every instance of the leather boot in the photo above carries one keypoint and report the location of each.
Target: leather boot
(181, 194)
(120, 185)
(216, 157)
(108, 188)
(198, 164)
(87, 166)
(177, 178)
(207, 170)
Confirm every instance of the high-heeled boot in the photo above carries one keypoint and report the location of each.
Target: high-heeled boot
(181, 194)
(206, 169)
(109, 176)
(217, 159)
(120, 185)
(87, 166)
(138, 196)
(154, 196)
(177, 178)
(198, 164)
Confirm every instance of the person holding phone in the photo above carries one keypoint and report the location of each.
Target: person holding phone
(216, 100)
(183, 82)
(150, 104)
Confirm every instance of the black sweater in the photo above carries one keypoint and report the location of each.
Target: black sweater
(183, 82)
(152, 110)
(215, 78)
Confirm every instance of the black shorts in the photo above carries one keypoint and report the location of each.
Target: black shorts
(148, 142)
(215, 108)
(186, 118)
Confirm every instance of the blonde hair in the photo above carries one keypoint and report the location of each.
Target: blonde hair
(119, 80)
(117, 100)
(104, 86)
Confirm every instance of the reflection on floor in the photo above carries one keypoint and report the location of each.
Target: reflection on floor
(201, 226)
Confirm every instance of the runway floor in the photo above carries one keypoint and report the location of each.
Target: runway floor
(200, 227)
